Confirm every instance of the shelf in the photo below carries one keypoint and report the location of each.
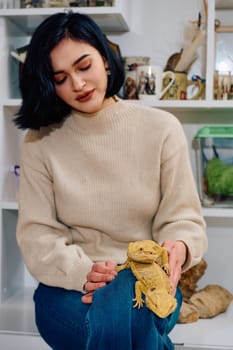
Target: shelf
(11, 102)
(201, 105)
(111, 19)
(17, 314)
(207, 212)
(9, 205)
(25, 342)
(224, 4)
(17, 317)
(218, 212)
(214, 333)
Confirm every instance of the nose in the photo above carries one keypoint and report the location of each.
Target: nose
(77, 82)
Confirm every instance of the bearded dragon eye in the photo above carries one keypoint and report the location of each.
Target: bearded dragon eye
(152, 289)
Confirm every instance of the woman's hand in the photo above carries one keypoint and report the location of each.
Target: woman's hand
(100, 274)
(177, 254)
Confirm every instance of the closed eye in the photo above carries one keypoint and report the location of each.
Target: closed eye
(59, 82)
(59, 77)
(85, 68)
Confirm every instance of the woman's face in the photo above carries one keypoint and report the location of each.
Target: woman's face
(80, 77)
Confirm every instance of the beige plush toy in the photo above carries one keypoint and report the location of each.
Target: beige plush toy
(204, 303)
(189, 279)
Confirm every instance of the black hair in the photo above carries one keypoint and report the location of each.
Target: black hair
(40, 104)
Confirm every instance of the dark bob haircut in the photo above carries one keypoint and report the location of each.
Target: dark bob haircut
(40, 104)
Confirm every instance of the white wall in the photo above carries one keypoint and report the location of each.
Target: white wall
(158, 28)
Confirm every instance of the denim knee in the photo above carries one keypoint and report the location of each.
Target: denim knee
(61, 318)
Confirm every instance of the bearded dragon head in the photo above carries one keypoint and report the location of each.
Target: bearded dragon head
(144, 251)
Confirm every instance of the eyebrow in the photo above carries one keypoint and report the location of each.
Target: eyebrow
(74, 63)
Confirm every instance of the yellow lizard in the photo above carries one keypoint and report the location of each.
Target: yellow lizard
(149, 264)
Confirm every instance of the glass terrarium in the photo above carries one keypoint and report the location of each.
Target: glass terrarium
(214, 163)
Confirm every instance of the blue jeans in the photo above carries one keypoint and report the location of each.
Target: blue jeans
(109, 323)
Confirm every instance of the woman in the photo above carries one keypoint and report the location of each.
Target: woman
(99, 172)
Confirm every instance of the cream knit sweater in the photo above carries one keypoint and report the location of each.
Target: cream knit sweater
(94, 183)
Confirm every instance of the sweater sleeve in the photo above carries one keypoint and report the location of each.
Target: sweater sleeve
(179, 214)
(46, 243)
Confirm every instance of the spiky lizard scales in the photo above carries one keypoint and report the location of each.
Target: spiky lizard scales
(149, 264)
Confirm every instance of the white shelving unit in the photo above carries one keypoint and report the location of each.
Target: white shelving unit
(111, 19)
(122, 23)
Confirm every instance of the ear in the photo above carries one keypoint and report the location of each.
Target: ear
(106, 65)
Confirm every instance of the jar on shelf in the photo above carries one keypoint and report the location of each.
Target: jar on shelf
(56, 3)
(93, 3)
(31, 3)
(223, 85)
(131, 63)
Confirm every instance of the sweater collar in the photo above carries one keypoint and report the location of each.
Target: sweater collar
(102, 120)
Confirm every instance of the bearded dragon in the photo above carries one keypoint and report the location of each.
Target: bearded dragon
(148, 262)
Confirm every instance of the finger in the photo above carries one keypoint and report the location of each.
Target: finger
(87, 298)
(175, 267)
(112, 265)
(105, 267)
(92, 286)
(168, 244)
(102, 273)
(175, 277)
(97, 277)
(170, 247)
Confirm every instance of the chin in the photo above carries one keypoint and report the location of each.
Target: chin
(91, 107)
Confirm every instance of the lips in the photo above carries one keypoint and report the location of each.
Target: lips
(85, 96)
